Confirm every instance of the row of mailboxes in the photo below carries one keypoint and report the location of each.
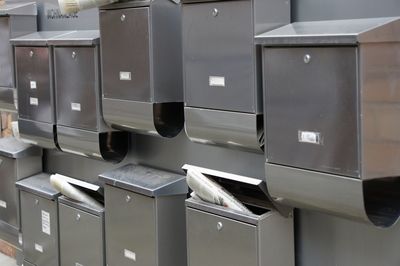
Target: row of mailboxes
(59, 94)
(143, 223)
(16, 19)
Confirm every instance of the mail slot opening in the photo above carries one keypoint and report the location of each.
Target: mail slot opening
(168, 118)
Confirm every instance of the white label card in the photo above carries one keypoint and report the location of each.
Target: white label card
(76, 107)
(78, 264)
(38, 248)
(3, 204)
(216, 81)
(310, 137)
(130, 254)
(46, 222)
(33, 85)
(125, 75)
(34, 101)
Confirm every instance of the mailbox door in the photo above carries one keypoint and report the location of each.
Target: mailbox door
(312, 108)
(214, 240)
(125, 40)
(130, 228)
(81, 238)
(8, 191)
(6, 60)
(219, 64)
(75, 77)
(39, 220)
(34, 84)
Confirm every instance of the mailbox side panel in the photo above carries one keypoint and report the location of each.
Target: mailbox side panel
(312, 109)
(130, 228)
(39, 221)
(8, 191)
(6, 58)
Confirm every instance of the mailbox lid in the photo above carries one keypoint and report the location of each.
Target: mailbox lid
(125, 41)
(146, 181)
(18, 9)
(77, 86)
(131, 228)
(75, 249)
(334, 32)
(34, 83)
(219, 56)
(39, 185)
(13, 148)
(40, 38)
(39, 221)
(77, 38)
(312, 109)
(235, 244)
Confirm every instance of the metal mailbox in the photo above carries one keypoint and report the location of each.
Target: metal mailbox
(18, 160)
(145, 217)
(16, 19)
(332, 95)
(142, 66)
(81, 234)
(80, 126)
(219, 236)
(222, 81)
(36, 98)
(39, 220)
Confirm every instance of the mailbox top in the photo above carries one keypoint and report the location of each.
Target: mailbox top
(334, 32)
(77, 38)
(18, 9)
(40, 38)
(39, 185)
(146, 180)
(13, 148)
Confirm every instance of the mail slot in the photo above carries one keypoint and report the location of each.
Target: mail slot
(81, 129)
(222, 81)
(39, 220)
(142, 67)
(81, 234)
(36, 97)
(217, 235)
(145, 217)
(335, 85)
(16, 19)
(17, 161)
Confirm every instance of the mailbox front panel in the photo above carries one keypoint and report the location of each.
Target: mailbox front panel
(219, 56)
(8, 191)
(125, 41)
(130, 228)
(75, 73)
(34, 84)
(6, 60)
(39, 229)
(311, 102)
(81, 238)
(215, 241)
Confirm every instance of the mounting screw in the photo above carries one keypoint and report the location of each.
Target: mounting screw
(215, 12)
(307, 58)
(219, 226)
(123, 17)
(78, 217)
(31, 53)
(73, 55)
(128, 198)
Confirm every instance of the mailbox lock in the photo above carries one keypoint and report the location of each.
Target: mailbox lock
(307, 58)
(36, 202)
(219, 226)
(215, 12)
(128, 198)
(31, 53)
(78, 217)
(73, 55)
(123, 17)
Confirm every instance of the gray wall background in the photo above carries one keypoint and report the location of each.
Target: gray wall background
(321, 240)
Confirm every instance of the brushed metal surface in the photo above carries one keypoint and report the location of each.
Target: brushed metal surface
(39, 185)
(33, 237)
(8, 99)
(224, 128)
(34, 69)
(322, 97)
(81, 240)
(76, 83)
(235, 244)
(37, 133)
(6, 55)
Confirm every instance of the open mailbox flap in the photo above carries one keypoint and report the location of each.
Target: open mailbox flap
(147, 181)
(250, 191)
